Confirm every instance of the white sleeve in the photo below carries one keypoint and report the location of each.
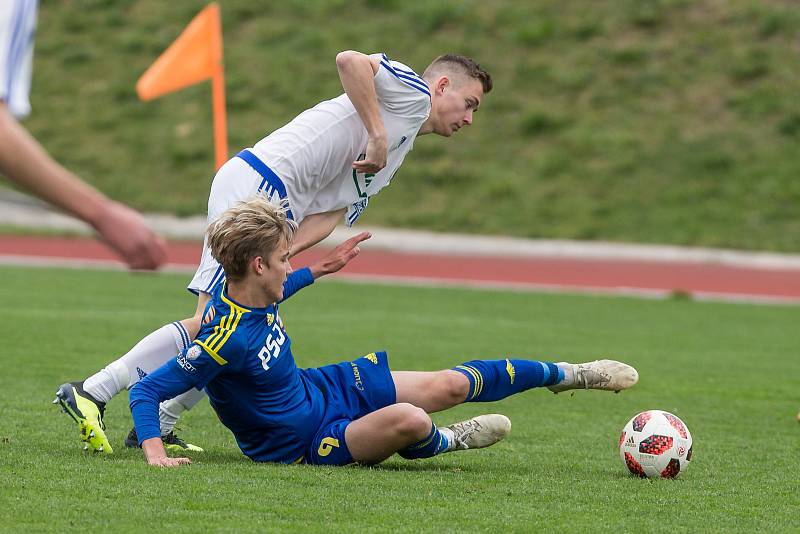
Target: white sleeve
(400, 90)
(17, 26)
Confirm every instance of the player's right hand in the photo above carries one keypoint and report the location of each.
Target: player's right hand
(375, 159)
(127, 233)
(166, 461)
(155, 454)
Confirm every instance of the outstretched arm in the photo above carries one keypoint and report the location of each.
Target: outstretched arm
(164, 383)
(357, 73)
(27, 164)
(334, 261)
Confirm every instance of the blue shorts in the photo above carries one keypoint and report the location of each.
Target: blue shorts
(351, 390)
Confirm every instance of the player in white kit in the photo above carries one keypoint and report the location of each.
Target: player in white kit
(326, 164)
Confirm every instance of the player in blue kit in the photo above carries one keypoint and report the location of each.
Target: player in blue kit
(357, 411)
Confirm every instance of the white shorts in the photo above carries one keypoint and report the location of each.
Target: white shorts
(235, 182)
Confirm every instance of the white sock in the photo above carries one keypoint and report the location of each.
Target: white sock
(145, 357)
(107, 382)
(446, 432)
(170, 410)
(569, 373)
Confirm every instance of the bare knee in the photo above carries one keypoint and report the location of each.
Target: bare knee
(192, 324)
(412, 422)
(454, 387)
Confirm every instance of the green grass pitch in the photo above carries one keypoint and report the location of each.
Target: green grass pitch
(729, 370)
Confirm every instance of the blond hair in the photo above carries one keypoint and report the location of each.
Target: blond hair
(249, 229)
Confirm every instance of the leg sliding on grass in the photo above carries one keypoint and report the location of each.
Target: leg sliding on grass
(407, 429)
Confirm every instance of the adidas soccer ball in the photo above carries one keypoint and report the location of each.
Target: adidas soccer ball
(655, 444)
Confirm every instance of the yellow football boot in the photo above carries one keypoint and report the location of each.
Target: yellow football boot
(88, 413)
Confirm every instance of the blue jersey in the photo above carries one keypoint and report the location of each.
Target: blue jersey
(242, 357)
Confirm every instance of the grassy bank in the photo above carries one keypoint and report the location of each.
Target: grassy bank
(652, 121)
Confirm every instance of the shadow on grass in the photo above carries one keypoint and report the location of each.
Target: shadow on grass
(235, 459)
(415, 466)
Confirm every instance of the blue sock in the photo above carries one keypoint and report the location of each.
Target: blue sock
(491, 380)
(432, 445)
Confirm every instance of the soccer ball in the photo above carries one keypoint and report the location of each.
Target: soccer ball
(655, 444)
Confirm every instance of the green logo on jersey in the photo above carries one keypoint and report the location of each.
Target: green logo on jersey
(367, 180)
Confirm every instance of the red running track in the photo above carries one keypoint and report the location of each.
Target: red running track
(702, 280)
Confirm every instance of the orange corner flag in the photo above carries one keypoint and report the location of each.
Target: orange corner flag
(195, 56)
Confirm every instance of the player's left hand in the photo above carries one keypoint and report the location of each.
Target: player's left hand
(340, 256)
(375, 158)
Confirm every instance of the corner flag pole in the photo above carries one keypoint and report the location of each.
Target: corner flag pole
(218, 92)
(195, 56)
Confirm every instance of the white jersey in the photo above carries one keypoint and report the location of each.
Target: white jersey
(17, 29)
(313, 154)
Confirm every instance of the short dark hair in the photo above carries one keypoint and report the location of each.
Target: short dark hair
(463, 64)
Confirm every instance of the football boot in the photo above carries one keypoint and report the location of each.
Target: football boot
(88, 413)
(478, 432)
(171, 442)
(608, 375)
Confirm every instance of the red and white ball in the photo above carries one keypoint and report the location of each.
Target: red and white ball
(655, 444)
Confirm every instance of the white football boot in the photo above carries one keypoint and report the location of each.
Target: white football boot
(608, 375)
(477, 433)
